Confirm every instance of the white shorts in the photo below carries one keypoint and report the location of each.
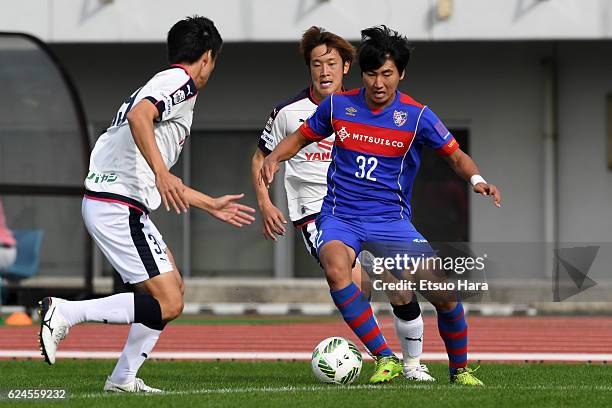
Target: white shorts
(126, 235)
(309, 234)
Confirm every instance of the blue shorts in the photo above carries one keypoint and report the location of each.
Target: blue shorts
(384, 237)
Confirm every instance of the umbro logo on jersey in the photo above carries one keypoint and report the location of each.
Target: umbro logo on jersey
(399, 118)
(350, 111)
(342, 134)
(301, 120)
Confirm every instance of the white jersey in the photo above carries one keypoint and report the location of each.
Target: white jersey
(117, 167)
(306, 172)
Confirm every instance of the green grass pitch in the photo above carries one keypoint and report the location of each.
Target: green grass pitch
(291, 384)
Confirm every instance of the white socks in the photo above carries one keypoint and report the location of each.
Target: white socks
(116, 309)
(410, 334)
(140, 342)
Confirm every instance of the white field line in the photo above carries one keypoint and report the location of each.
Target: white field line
(256, 355)
(331, 387)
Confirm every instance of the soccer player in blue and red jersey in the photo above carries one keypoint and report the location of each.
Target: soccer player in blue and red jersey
(328, 57)
(380, 133)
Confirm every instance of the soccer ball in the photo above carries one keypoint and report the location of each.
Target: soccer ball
(336, 360)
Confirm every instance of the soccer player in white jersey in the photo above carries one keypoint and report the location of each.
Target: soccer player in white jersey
(129, 177)
(328, 57)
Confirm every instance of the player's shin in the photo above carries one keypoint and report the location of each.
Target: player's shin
(454, 331)
(140, 342)
(409, 329)
(357, 312)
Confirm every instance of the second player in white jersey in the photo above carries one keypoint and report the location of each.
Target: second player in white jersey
(116, 165)
(306, 173)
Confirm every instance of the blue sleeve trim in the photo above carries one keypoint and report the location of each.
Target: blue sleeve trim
(160, 105)
(262, 146)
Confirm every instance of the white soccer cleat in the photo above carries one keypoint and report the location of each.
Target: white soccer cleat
(53, 327)
(135, 386)
(418, 373)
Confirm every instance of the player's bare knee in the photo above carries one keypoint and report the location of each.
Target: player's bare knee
(402, 297)
(171, 308)
(444, 305)
(181, 287)
(178, 309)
(179, 280)
(171, 304)
(338, 276)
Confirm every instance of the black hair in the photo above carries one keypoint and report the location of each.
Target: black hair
(190, 38)
(378, 44)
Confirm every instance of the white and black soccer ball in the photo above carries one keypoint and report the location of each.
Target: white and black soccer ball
(336, 360)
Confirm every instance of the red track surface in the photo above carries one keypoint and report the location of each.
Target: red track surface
(487, 334)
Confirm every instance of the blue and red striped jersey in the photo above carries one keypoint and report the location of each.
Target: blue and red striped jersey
(377, 153)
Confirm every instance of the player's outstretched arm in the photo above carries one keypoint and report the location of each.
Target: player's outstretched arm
(226, 208)
(285, 150)
(170, 187)
(466, 168)
(273, 219)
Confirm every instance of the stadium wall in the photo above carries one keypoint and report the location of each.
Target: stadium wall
(585, 195)
(282, 20)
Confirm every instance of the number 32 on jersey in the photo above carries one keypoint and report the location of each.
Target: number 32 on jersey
(366, 167)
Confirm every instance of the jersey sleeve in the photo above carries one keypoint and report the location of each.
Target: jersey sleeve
(319, 125)
(433, 133)
(274, 131)
(168, 91)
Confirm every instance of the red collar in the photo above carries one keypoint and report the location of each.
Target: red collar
(311, 95)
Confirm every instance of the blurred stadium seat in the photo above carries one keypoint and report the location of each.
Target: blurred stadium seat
(28, 249)
(28, 257)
